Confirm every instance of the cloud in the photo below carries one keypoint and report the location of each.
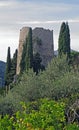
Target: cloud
(31, 10)
(14, 14)
(48, 22)
(4, 3)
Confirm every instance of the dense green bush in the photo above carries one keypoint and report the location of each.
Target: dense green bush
(48, 116)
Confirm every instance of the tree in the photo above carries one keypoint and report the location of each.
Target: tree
(27, 54)
(68, 39)
(13, 65)
(14, 61)
(37, 66)
(8, 68)
(23, 58)
(64, 40)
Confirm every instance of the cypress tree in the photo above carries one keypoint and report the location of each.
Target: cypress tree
(68, 39)
(64, 40)
(14, 64)
(23, 58)
(8, 68)
(37, 63)
(27, 54)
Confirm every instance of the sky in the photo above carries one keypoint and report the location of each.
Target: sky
(49, 14)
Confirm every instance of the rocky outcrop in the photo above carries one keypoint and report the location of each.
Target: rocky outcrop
(23, 35)
(42, 44)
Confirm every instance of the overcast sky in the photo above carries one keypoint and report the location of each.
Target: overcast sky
(14, 14)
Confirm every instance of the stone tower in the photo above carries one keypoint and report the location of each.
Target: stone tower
(43, 44)
(23, 35)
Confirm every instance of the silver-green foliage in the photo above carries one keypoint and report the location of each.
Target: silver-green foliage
(56, 82)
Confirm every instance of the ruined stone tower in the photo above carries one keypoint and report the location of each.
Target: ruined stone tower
(23, 35)
(42, 44)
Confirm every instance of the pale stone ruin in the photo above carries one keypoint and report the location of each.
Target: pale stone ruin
(42, 44)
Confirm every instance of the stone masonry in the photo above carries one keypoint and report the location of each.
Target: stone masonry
(43, 44)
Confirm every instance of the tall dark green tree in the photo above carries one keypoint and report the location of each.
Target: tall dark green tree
(23, 58)
(64, 40)
(37, 63)
(14, 64)
(27, 54)
(68, 39)
(8, 68)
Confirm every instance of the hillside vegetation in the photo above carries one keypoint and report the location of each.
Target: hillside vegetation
(59, 83)
(42, 98)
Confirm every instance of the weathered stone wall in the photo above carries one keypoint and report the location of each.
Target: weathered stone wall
(43, 44)
(22, 38)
